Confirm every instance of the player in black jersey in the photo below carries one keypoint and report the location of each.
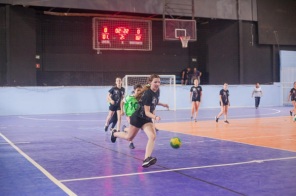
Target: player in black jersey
(142, 118)
(292, 95)
(195, 97)
(115, 96)
(224, 103)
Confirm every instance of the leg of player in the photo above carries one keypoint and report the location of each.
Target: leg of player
(113, 121)
(118, 120)
(257, 102)
(129, 135)
(226, 114)
(294, 109)
(126, 129)
(192, 109)
(196, 110)
(109, 116)
(151, 134)
(221, 112)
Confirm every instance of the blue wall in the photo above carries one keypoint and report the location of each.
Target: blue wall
(62, 100)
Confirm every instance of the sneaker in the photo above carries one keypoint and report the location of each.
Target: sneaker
(113, 138)
(131, 146)
(149, 161)
(226, 121)
(191, 117)
(122, 128)
(291, 113)
(106, 128)
(195, 120)
(217, 119)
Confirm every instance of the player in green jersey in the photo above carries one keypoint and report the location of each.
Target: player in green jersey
(130, 106)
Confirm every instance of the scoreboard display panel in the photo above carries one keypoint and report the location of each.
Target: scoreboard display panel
(121, 34)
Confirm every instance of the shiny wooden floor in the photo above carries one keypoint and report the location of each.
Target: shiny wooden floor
(272, 132)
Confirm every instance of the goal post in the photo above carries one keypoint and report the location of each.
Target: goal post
(167, 88)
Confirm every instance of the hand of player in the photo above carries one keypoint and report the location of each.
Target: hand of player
(167, 106)
(157, 118)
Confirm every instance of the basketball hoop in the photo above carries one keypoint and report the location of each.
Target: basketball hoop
(184, 40)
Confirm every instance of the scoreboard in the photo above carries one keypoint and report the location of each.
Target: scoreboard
(121, 34)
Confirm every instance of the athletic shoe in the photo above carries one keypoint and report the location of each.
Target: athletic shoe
(291, 113)
(113, 138)
(131, 146)
(195, 120)
(149, 161)
(226, 122)
(217, 119)
(106, 128)
(122, 128)
(191, 117)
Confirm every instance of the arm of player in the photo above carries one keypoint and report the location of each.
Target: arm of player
(149, 114)
(163, 105)
(109, 99)
(220, 97)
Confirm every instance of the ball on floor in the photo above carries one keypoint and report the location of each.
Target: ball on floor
(175, 142)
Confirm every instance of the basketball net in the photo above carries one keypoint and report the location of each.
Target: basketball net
(184, 40)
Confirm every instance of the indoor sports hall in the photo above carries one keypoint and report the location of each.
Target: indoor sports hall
(59, 60)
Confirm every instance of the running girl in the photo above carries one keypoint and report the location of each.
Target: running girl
(130, 106)
(142, 118)
(115, 97)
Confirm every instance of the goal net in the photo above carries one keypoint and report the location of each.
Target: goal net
(167, 88)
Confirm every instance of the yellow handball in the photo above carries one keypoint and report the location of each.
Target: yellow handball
(175, 142)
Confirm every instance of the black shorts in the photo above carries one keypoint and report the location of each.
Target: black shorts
(224, 103)
(114, 108)
(197, 99)
(138, 122)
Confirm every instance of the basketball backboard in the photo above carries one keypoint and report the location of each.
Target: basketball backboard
(173, 29)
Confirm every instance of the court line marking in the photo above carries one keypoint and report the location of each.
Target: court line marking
(3, 143)
(236, 117)
(166, 120)
(45, 172)
(62, 120)
(177, 169)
